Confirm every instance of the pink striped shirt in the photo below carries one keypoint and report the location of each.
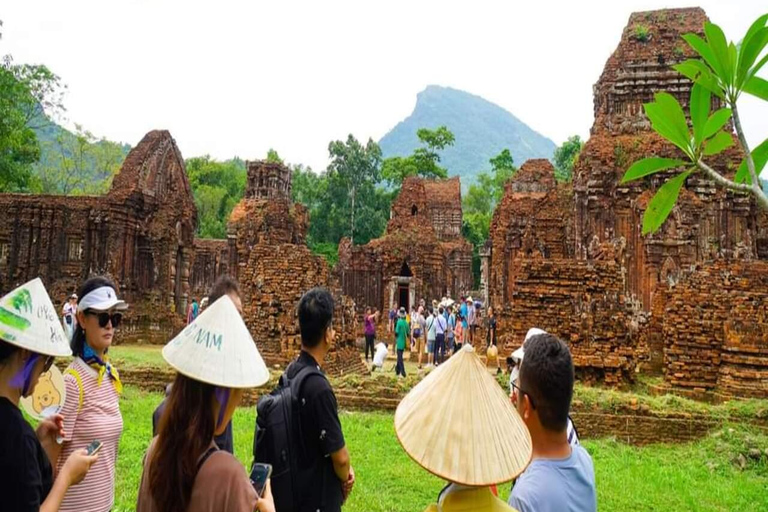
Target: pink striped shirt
(99, 418)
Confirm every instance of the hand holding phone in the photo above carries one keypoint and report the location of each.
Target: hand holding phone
(260, 473)
(94, 447)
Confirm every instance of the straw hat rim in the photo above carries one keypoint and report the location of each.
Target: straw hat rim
(512, 460)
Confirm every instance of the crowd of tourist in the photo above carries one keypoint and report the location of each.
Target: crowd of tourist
(300, 457)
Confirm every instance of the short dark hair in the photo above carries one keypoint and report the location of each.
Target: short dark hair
(78, 337)
(315, 316)
(224, 285)
(547, 376)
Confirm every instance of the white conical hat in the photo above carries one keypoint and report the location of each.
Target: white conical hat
(29, 320)
(458, 424)
(218, 349)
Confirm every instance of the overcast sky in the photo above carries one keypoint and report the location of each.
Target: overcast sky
(236, 78)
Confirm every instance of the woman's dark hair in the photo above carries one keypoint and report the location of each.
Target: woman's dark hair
(78, 338)
(6, 351)
(315, 316)
(224, 285)
(186, 430)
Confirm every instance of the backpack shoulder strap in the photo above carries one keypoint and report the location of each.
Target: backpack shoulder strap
(71, 371)
(208, 453)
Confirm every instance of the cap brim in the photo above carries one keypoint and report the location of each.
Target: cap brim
(110, 304)
(518, 354)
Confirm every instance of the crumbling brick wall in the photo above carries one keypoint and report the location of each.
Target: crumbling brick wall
(716, 329)
(211, 261)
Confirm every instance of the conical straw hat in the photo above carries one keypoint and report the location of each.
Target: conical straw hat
(29, 320)
(218, 349)
(458, 424)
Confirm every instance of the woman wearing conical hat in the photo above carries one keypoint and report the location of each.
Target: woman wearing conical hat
(30, 338)
(184, 471)
(474, 440)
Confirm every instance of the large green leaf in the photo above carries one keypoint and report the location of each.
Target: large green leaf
(700, 73)
(750, 51)
(719, 45)
(757, 86)
(703, 49)
(701, 100)
(759, 157)
(660, 206)
(718, 143)
(716, 121)
(668, 119)
(750, 46)
(650, 165)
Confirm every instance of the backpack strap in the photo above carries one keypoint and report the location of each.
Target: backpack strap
(79, 380)
(208, 453)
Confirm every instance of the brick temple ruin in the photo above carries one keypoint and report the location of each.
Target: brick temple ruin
(690, 300)
(141, 234)
(422, 255)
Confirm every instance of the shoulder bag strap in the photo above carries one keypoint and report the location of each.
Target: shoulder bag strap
(79, 380)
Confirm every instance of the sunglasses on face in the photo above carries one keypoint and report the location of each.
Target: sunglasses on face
(520, 393)
(105, 318)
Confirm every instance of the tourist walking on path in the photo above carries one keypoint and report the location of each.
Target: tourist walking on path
(184, 470)
(401, 332)
(69, 312)
(471, 319)
(392, 317)
(450, 334)
(30, 343)
(370, 331)
(492, 446)
(225, 285)
(459, 333)
(192, 311)
(92, 406)
(441, 324)
(319, 475)
(430, 326)
(418, 334)
(560, 476)
(490, 338)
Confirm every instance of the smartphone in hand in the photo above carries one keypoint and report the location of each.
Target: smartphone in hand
(260, 473)
(94, 447)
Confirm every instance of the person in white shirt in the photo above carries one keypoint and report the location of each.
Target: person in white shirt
(69, 312)
(380, 356)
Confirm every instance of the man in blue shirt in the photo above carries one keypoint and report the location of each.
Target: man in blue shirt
(560, 477)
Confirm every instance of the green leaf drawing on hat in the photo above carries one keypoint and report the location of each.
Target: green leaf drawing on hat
(21, 301)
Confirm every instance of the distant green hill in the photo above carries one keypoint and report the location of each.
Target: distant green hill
(71, 166)
(482, 131)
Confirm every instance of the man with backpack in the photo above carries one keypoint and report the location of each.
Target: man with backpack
(298, 430)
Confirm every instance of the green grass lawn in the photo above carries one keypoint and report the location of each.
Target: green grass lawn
(695, 476)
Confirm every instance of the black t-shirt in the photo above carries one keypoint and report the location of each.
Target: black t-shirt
(26, 476)
(224, 441)
(321, 431)
(491, 331)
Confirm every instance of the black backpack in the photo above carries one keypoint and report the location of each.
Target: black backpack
(278, 439)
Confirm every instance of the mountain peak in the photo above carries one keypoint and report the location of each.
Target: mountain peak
(482, 130)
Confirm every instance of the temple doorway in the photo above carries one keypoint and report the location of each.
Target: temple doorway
(403, 297)
(402, 288)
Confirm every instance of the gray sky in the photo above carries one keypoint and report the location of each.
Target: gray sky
(236, 78)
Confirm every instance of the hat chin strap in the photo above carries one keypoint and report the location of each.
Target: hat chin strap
(222, 396)
(23, 378)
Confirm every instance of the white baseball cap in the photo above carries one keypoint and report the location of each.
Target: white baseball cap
(103, 298)
(519, 354)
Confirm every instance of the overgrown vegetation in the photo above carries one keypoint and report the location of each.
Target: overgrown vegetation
(642, 33)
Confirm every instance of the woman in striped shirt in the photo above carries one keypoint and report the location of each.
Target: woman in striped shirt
(92, 410)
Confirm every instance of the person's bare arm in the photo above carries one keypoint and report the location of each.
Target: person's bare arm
(341, 463)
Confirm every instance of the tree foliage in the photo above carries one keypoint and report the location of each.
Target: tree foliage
(217, 187)
(76, 163)
(566, 157)
(27, 93)
(424, 161)
(725, 70)
(481, 200)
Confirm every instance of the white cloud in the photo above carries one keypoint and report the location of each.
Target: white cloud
(236, 78)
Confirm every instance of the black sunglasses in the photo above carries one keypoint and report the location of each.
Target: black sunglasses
(521, 393)
(105, 318)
